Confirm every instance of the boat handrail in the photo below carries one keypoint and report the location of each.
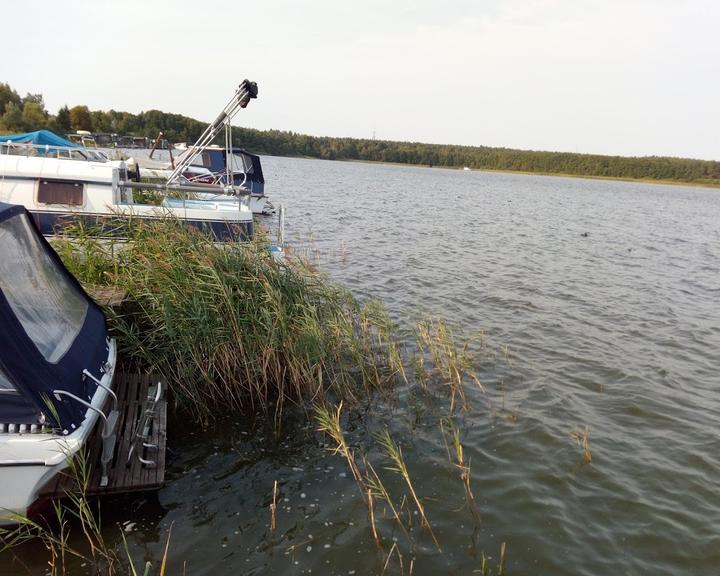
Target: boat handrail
(107, 389)
(51, 151)
(107, 427)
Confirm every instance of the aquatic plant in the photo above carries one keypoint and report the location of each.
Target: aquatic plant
(462, 464)
(452, 361)
(229, 326)
(394, 452)
(582, 437)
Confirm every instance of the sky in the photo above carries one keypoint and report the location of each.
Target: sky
(626, 77)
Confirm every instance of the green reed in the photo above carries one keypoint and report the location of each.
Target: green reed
(398, 465)
(460, 462)
(229, 326)
(451, 360)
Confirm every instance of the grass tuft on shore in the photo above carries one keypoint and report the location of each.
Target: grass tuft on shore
(228, 325)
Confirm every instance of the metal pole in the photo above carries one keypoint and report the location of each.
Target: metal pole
(245, 92)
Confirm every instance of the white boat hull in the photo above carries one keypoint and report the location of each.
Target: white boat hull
(101, 197)
(29, 460)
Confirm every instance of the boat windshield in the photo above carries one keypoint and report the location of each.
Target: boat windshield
(242, 163)
(5, 384)
(50, 308)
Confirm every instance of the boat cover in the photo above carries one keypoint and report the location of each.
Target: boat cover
(39, 137)
(50, 330)
(242, 162)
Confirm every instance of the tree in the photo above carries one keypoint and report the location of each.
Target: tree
(80, 118)
(12, 120)
(34, 115)
(62, 120)
(36, 98)
(7, 95)
(101, 121)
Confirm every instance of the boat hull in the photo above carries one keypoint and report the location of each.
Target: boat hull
(115, 226)
(29, 460)
(21, 486)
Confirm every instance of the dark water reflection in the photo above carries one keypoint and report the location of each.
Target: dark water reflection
(599, 301)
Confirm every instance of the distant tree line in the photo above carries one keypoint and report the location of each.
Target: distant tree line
(21, 114)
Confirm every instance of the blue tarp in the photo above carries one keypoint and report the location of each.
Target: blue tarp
(40, 137)
(50, 329)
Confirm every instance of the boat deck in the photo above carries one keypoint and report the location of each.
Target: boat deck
(123, 476)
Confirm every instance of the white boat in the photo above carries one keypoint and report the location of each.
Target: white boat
(210, 167)
(56, 365)
(66, 184)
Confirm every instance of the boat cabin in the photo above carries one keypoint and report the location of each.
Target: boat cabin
(52, 332)
(56, 365)
(245, 167)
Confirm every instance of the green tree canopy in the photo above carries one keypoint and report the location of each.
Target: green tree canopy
(34, 116)
(7, 95)
(62, 120)
(80, 118)
(12, 120)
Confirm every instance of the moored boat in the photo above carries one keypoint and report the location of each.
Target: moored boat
(61, 183)
(56, 365)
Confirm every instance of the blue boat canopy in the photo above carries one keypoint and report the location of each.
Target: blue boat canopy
(39, 137)
(50, 330)
(246, 167)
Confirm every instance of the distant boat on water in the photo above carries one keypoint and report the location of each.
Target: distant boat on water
(466, 168)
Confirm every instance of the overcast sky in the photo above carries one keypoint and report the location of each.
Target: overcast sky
(629, 77)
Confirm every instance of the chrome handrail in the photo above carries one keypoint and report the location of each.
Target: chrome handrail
(89, 374)
(58, 393)
(28, 149)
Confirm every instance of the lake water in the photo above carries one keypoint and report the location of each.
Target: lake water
(599, 303)
(607, 295)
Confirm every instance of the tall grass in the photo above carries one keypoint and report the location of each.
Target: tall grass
(229, 326)
(453, 362)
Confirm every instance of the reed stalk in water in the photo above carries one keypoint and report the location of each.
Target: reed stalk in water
(582, 437)
(395, 454)
(273, 506)
(453, 362)
(460, 463)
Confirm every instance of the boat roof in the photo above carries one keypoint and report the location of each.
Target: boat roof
(50, 330)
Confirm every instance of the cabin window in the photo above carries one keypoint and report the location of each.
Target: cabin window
(5, 384)
(242, 163)
(204, 160)
(60, 192)
(49, 306)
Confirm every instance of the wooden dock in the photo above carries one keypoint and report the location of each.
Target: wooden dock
(123, 475)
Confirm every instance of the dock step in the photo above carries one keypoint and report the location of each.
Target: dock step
(137, 465)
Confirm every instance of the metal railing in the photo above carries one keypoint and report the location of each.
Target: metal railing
(49, 151)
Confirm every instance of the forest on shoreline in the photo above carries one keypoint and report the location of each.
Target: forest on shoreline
(23, 114)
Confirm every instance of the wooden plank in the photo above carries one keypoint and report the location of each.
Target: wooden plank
(107, 295)
(132, 390)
